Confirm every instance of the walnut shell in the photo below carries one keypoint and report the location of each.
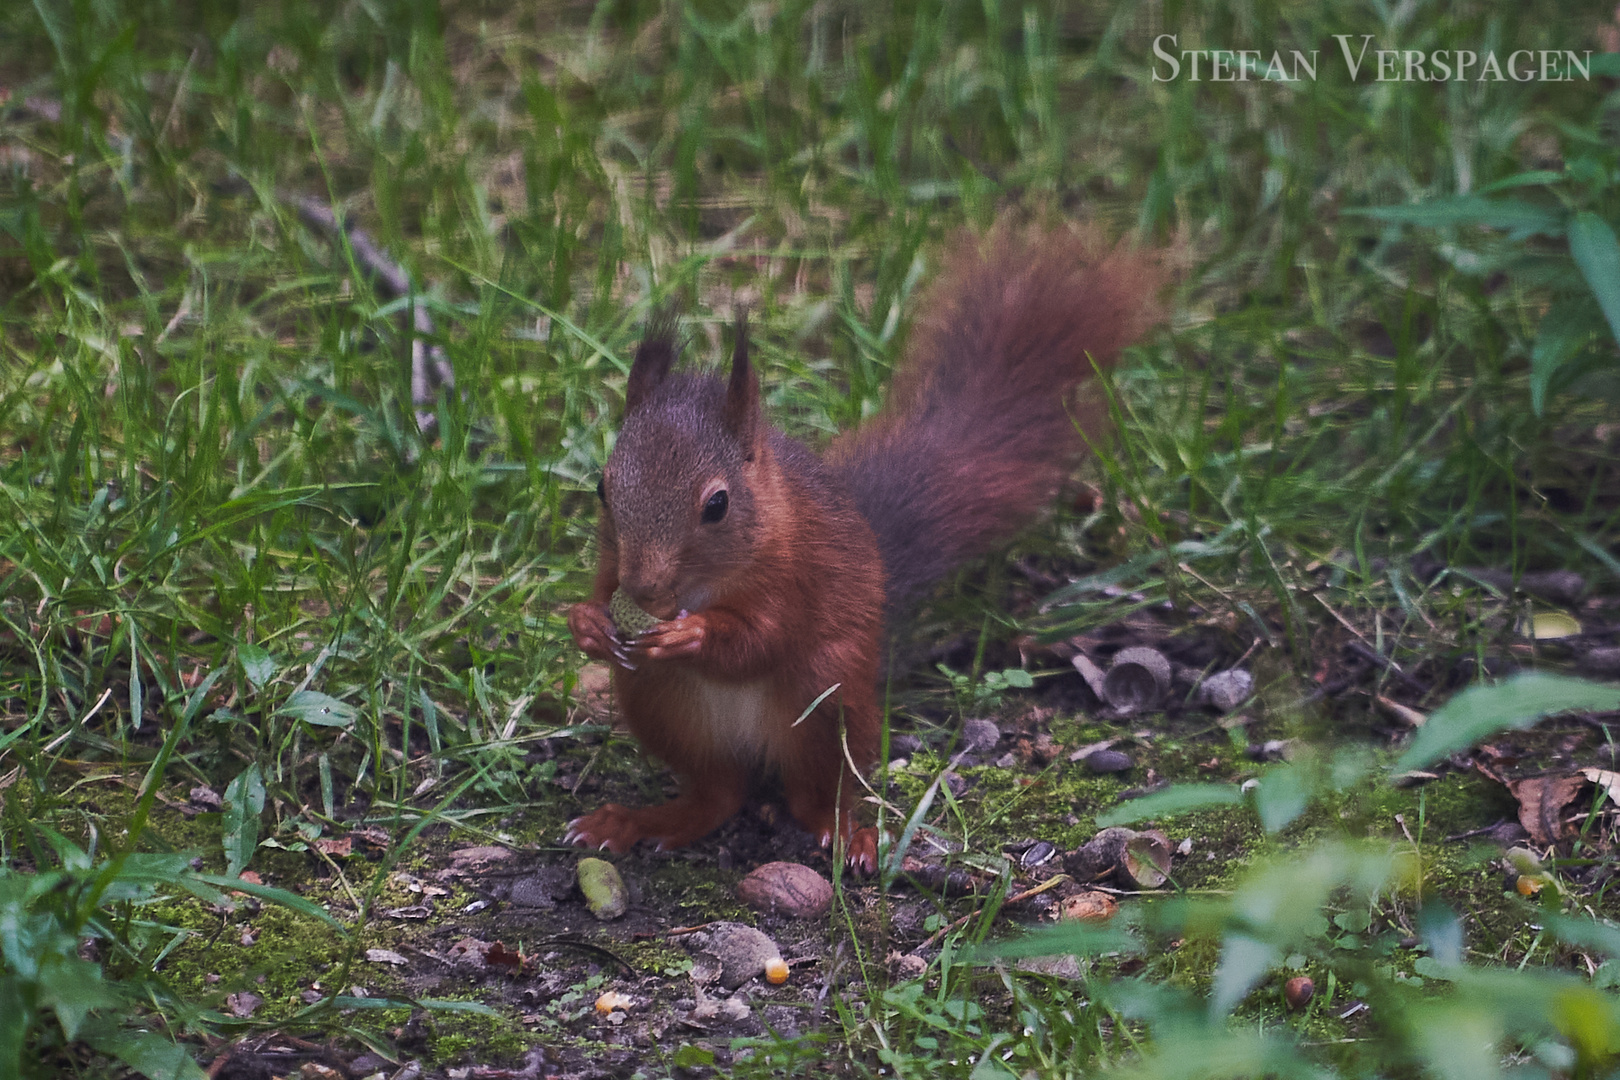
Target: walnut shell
(629, 618)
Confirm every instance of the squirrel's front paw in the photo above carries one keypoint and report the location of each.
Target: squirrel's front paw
(596, 635)
(677, 637)
(613, 827)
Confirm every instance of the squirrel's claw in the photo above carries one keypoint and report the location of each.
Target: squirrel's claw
(595, 634)
(677, 637)
(860, 849)
(611, 828)
(861, 852)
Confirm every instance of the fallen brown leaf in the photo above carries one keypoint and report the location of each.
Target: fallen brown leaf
(1541, 804)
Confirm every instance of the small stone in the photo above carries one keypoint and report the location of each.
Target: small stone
(904, 745)
(1109, 761)
(243, 1003)
(544, 888)
(1226, 690)
(980, 736)
(723, 1010)
(1066, 966)
(786, 888)
(473, 857)
(1270, 750)
(906, 965)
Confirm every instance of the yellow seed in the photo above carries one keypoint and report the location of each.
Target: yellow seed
(776, 970)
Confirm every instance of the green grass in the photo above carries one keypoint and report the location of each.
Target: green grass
(208, 461)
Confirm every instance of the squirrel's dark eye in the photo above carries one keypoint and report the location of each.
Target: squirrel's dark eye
(715, 508)
(601, 491)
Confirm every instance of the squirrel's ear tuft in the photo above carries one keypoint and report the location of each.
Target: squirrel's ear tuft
(653, 360)
(742, 394)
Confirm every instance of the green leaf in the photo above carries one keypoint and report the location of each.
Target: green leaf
(1430, 968)
(1568, 325)
(477, 1008)
(1068, 938)
(73, 988)
(1583, 933)
(1353, 922)
(16, 1017)
(691, 1056)
(1605, 65)
(263, 892)
(244, 805)
(1442, 932)
(1177, 799)
(1514, 215)
(1282, 795)
(1458, 1039)
(148, 1053)
(1596, 252)
(318, 709)
(1518, 702)
(1244, 962)
(1524, 179)
(991, 1067)
(257, 664)
(1019, 678)
(1228, 541)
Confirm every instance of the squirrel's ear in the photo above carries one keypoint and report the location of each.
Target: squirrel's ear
(742, 394)
(653, 360)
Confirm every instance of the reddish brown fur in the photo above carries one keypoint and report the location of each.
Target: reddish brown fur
(784, 596)
(980, 426)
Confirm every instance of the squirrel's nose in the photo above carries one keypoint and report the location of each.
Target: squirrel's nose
(653, 597)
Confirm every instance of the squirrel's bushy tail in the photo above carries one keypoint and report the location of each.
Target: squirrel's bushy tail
(979, 429)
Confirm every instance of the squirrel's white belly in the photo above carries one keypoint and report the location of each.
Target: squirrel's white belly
(736, 716)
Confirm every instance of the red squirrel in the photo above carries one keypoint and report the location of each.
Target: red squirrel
(771, 571)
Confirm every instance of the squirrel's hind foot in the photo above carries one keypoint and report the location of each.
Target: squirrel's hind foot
(860, 849)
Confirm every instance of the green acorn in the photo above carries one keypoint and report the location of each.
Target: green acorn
(629, 618)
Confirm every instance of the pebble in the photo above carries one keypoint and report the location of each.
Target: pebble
(980, 736)
(1226, 690)
(1109, 761)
